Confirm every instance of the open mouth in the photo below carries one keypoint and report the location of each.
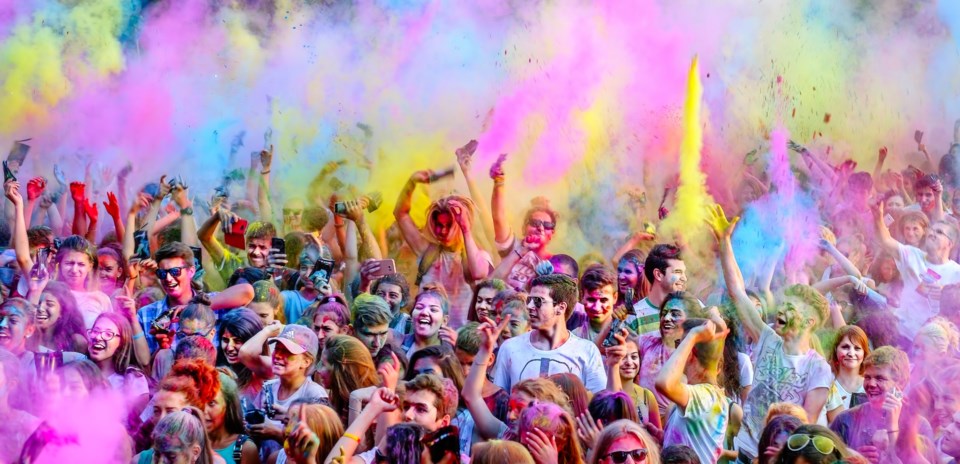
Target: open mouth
(231, 356)
(42, 316)
(781, 320)
(425, 322)
(669, 326)
(4, 335)
(98, 346)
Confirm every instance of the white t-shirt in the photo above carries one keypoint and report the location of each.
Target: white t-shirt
(448, 271)
(915, 308)
(746, 372)
(310, 390)
(519, 360)
(839, 396)
(645, 317)
(778, 377)
(702, 425)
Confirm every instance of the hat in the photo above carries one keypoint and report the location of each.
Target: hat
(298, 339)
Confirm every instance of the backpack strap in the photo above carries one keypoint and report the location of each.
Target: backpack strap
(238, 447)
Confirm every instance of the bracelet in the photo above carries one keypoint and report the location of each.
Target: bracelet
(138, 336)
(351, 436)
(188, 211)
(892, 431)
(265, 172)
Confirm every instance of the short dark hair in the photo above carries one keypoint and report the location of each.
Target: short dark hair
(315, 218)
(679, 454)
(174, 250)
(562, 289)
(596, 277)
(658, 259)
(393, 279)
(39, 236)
(927, 181)
(261, 229)
(566, 260)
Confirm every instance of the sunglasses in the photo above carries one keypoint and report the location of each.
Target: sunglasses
(823, 444)
(203, 333)
(620, 457)
(174, 271)
(537, 301)
(292, 212)
(536, 224)
(106, 335)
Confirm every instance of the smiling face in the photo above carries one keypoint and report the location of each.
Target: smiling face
(630, 367)
(48, 311)
(287, 364)
(15, 328)
(946, 404)
(627, 275)
(74, 269)
(539, 230)
(257, 251)
(877, 381)
(849, 354)
(392, 294)
(176, 287)
(109, 272)
(427, 316)
(598, 303)
(674, 277)
(672, 318)
(913, 232)
(230, 346)
(103, 340)
(485, 302)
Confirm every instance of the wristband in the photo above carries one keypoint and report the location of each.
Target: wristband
(265, 172)
(188, 211)
(138, 336)
(351, 436)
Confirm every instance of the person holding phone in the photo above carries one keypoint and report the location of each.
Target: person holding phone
(257, 239)
(296, 302)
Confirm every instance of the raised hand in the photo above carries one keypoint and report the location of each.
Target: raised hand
(465, 155)
(127, 169)
(266, 158)
(12, 190)
(91, 210)
(543, 447)
(588, 429)
(78, 191)
(35, 188)
(180, 196)
(420, 177)
(721, 226)
(384, 399)
(490, 332)
(496, 170)
(58, 174)
(302, 444)
(707, 332)
(112, 206)
(165, 188)
(390, 372)
(448, 335)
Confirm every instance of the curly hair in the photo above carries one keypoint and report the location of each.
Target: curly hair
(198, 381)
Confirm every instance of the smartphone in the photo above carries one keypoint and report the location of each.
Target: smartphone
(442, 442)
(278, 244)
(39, 270)
(142, 245)
(19, 151)
(56, 244)
(254, 417)
(387, 267)
(197, 258)
(236, 238)
(615, 328)
(437, 175)
(7, 173)
(918, 136)
(322, 270)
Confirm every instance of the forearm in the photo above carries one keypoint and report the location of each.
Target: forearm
(614, 383)
(141, 350)
(236, 296)
(827, 286)
(404, 200)
(129, 248)
(669, 380)
(887, 242)
(486, 220)
(477, 266)
(488, 426)
(506, 264)
(747, 313)
(79, 223)
(498, 208)
(368, 248)
(207, 239)
(91, 234)
(21, 243)
(845, 263)
(250, 354)
(836, 317)
(56, 220)
(263, 198)
(118, 227)
(28, 211)
(346, 446)
(163, 223)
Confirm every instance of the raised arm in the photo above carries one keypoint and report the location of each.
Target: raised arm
(20, 242)
(409, 231)
(79, 196)
(263, 190)
(488, 426)
(887, 242)
(723, 230)
(670, 381)
(465, 160)
(498, 202)
(252, 352)
(207, 234)
(477, 266)
(382, 401)
(188, 223)
(237, 296)
(842, 260)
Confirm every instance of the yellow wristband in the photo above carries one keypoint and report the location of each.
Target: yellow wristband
(352, 436)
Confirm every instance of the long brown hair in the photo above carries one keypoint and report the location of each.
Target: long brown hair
(124, 354)
(352, 368)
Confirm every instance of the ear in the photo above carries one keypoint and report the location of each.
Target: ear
(445, 420)
(657, 275)
(562, 308)
(195, 452)
(29, 330)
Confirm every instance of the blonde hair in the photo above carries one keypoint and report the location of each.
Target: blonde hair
(942, 333)
(498, 451)
(897, 360)
(544, 389)
(786, 409)
(619, 428)
(324, 422)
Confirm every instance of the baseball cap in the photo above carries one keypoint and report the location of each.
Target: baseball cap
(298, 339)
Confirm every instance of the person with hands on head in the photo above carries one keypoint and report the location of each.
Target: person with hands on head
(690, 380)
(521, 256)
(624, 440)
(787, 367)
(310, 434)
(448, 254)
(924, 271)
(622, 363)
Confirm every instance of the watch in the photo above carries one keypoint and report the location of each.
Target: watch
(188, 211)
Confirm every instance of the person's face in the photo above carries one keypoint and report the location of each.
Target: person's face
(548, 314)
(849, 354)
(293, 214)
(598, 303)
(170, 450)
(888, 270)
(672, 318)
(287, 364)
(373, 337)
(466, 360)
(103, 340)
(325, 372)
(214, 413)
(392, 294)
(257, 251)
(48, 311)
(877, 381)
(109, 270)
(912, 233)
(895, 202)
(674, 279)
(518, 325)
(630, 367)
(230, 345)
(165, 402)
(925, 352)
(427, 316)
(307, 260)
(176, 286)
(72, 387)
(937, 239)
(624, 443)
(926, 198)
(946, 403)
(951, 438)
(443, 227)
(518, 402)
(418, 408)
(325, 325)
(792, 317)
(428, 366)
(74, 268)
(627, 275)
(265, 311)
(485, 302)
(15, 328)
(539, 230)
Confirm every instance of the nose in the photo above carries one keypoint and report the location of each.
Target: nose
(408, 415)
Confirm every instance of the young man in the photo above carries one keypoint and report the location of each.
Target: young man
(395, 290)
(689, 380)
(666, 272)
(598, 295)
(924, 271)
(296, 302)
(929, 191)
(549, 348)
(786, 367)
(428, 401)
(258, 238)
(371, 319)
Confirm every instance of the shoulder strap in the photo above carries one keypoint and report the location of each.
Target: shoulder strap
(426, 261)
(238, 447)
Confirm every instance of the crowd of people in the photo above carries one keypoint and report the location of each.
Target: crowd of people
(221, 331)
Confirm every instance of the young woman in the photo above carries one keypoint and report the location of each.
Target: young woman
(345, 366)
(180, 437)
(813, 444)
(310, 420)
(545, 429)
(431, 310)
(236, 327)
(111, 348)
(328, 316)
(112, 269)
(774, 437)
(267, 302)
(573, 387)
(630, 277)
(483, 299)
(623, 439)
(512, 304)
(80, 379)
(223, 419)
(500, 451)
(521, 257)
(883, 271)
(626, 371)
(59, 324)
(851, 348)
(191, 383)
(77, 265)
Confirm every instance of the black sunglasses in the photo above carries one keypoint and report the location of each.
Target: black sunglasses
(536, 223)
(537, 301)
(620, 457)
(174, 271)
